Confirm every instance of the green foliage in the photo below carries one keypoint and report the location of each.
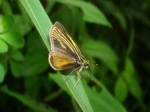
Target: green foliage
(113, 34)
(36, 106)
(4, 47)
(103, 52)
(90, 12)
(100, 100)
(2, 73)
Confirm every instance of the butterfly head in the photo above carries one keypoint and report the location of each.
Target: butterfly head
(86, 64)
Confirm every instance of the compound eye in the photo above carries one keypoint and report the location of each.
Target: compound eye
(86, 65)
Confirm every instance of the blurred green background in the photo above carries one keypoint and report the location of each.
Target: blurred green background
(113, 34)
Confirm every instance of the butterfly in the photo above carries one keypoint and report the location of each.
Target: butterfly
(64, 53)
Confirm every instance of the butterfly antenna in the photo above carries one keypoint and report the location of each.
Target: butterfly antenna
(94, 63)
(90, 69)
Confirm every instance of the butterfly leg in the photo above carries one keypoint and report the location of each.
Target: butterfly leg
(71, 74)
(79, 76)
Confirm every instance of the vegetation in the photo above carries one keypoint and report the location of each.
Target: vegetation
(113, 34)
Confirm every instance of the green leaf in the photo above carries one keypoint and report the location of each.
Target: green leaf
(33, 67)
(6, 7)
(34, 44)
(35, 61)
(4, 63)
(4, 47)
(121, 89)
(91, 13)
(129, 67)
(135, 89)
(13, 38)
(16, 68)
(22, 25)
(30, 65)
(9, 33)
(101, 100)
(2, 73)
(103, 52)
(17, 55)
(130, 76)
(0, 2)
(36, 106)
(6, 23)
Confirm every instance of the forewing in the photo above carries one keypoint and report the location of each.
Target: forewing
(61, 40)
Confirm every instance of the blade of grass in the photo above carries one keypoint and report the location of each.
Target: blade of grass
(43, 24)
(39, 18)
(78, 92)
